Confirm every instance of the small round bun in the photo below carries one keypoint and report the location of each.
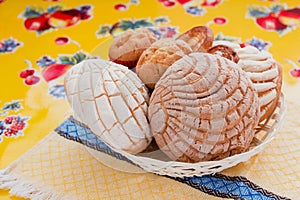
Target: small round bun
(129, 46)
(158, 57)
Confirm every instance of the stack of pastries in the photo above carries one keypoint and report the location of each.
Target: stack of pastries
(206, 98)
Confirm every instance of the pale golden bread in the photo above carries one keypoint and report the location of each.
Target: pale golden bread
(200, 38)
(127, 48)
(158, 57)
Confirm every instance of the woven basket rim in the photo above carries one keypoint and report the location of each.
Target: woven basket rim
(277, 118)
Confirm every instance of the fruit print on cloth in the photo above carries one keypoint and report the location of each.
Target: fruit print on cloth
(295, 72)
(256, 42)
(14, 106)
(277, 17)
(220, 20)
(12, 125)
(64, 40)
(30, 76)
(167, 3)
(196, 7)
(40, 20)
(53, 71)
(125, 6)
(160, 26)
(9, 45)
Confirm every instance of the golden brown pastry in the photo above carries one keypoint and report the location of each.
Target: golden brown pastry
(158, 57)
(200, 38)
(224, 51)
(203, 108)
(129, 46)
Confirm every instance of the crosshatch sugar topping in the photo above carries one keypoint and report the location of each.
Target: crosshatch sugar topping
(112, 101)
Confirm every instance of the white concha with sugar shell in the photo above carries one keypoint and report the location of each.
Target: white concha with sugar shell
(112, 101)
(265, 73)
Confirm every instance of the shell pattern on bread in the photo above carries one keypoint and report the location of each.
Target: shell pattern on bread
(264, 72)
(203, 108)
(112, 101)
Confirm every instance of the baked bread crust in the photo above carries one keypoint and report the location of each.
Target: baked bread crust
(112, 101)
(158, 57)
(129, 46)
(264, 72)
(203, 108)
(200, 38)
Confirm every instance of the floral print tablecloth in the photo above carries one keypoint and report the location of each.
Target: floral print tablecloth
(41, 39)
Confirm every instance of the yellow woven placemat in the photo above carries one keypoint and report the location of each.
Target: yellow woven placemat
(59, 168)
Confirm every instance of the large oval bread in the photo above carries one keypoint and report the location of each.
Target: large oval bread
(203, 108)
(112, 101)
(264, 72)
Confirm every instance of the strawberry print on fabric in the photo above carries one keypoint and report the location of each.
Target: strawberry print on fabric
(64, 40)
(125, 6)
(30, 75)
(220, 20)
(277, 17)
(55, 17)
(295, 72)
(167, 3)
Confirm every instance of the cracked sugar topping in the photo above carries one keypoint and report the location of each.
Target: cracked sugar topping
(264, 72)
(112, 101)
(203, 108)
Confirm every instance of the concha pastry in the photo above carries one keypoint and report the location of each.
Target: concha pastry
(203, 108)
(127, 48)
(200, 38)
(264, 72)
(112, 101)
(158, 57)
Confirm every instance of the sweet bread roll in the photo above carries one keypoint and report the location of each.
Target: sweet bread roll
(203, 108)
(158, 57)
(112, 101)
(127, 48)
(200, 38)
(264, 72)
(224, 51)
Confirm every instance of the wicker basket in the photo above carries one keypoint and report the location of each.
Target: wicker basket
(157, 162)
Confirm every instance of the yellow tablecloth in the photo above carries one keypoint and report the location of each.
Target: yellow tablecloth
(47, 37)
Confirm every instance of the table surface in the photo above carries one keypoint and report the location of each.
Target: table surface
(45, 34)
